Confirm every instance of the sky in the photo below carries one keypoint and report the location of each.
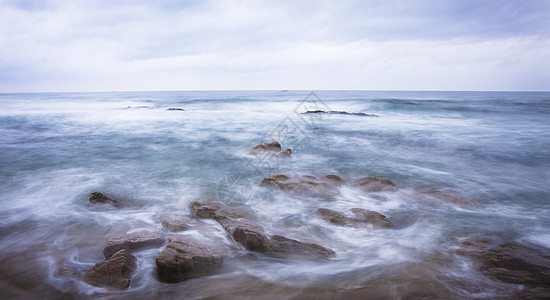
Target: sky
(135, 45)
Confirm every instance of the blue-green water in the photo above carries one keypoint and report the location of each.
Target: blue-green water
(490, 149)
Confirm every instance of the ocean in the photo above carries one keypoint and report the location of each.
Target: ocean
(487, 153)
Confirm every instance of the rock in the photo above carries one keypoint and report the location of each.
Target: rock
(510, 262)
(306, 184)
(175, 223)
(375, 184)
(182, 260)
(285, 153)
(334, 178)
(114, 272)
(273, 146)
(292, 249)
(97, 198)
(363, 217)
(446, 197)
(377, 219)
(175, 109)
(336, 112)
(133, 242)
(252, 236)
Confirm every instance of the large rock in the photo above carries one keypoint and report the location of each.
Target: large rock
(115, 272)
(133, 242)
(97, 199)
(305, 184)
(510, 262)
(253, 237)
(182, 260)
(175, 223)
(375, 184)
(363, 218)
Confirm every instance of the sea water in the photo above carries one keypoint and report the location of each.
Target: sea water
(491, 150)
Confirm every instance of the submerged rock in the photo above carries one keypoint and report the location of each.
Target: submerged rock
(285, 153)
(305, 184)
(375, 184)
(114, 272)
(336, 112)
(363, 217)
(175, 223)
(252, 236)
(509, 262)
(181, 260)
(97, 198)
(133, 242)
(446, 197)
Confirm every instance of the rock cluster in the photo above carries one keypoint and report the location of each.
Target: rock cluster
(272, 149)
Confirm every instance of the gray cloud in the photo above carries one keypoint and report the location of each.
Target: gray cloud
(129, 45)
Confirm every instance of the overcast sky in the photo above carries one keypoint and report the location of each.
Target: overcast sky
(131, 45)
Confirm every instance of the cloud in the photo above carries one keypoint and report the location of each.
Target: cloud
(144, 45)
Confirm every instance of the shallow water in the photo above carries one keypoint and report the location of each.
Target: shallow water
(489, 149)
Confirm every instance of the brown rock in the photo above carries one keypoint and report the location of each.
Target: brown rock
(114, 272)
(252, 236)
(306, 184)
(285, 153)
(510, 262)
(334, 179)
(292, 249)
(182, 260)
(273, 146)
(133, 242)
(375, 184)
(377, 219)
(97, 198)
(175, 223)
(363, 217)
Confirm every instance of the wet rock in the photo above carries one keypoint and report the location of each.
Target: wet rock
(377, 219)
(336, 112)
(333, 178)
(362, 218)
(285, 153)
(273, 146)
(446, 197)
(133, 242)
(175, 223)
(306, 184)
(181, 260)
(175, 109)
(292, 249)
(97, 198)
(375, 184)
(115, 272)
(253, 237)
(511, 263)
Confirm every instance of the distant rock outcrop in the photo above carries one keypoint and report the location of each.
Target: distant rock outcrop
(336, 112)
(175, 109)
(115, 272)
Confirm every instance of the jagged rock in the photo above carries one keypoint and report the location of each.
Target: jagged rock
(182, 260)
(252, 236)
(114, 272)
(175, 223)
(510, 262)
(375, 184)
(306, 184)
(273, 146)
(285, 153)
(336, 112)
(133, 242)
(97, 198)
(363, 217)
